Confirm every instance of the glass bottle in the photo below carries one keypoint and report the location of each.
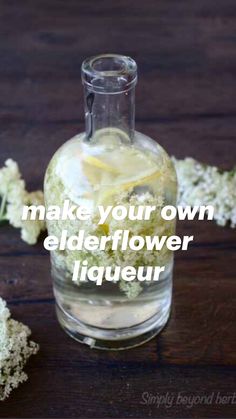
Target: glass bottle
(111, 164)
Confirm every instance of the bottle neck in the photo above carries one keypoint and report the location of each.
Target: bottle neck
(109, 110)
(109, 87)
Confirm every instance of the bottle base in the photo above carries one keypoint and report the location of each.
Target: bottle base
(112, 339)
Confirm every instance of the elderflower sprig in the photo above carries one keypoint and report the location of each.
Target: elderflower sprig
(15, 349)
(201, 184)
(13, 196)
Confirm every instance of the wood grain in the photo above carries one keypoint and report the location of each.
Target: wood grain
(186, 100)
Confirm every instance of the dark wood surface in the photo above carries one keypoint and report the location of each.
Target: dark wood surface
(186, 52)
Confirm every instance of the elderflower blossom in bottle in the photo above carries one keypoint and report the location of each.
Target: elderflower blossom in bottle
(111, 164)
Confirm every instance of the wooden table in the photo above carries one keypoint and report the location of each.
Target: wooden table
(186, 99)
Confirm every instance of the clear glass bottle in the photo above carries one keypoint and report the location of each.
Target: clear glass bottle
(111, 164)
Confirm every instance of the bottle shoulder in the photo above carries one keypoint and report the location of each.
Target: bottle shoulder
(111, 140)
(110, 161)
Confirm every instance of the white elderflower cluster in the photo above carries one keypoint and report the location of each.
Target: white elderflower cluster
(13, 196)
(15, 349)
(131, 289)
(201, 184)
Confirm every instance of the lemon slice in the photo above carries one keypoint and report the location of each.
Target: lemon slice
(119, 188)
(99, 164)
(98, 172)
(140, 182)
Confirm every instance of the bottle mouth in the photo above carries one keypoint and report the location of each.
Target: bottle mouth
(109, 73)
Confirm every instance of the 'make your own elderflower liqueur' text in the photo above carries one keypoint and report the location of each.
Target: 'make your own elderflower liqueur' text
(111, 164)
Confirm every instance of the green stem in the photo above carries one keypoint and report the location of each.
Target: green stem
(3, 208)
